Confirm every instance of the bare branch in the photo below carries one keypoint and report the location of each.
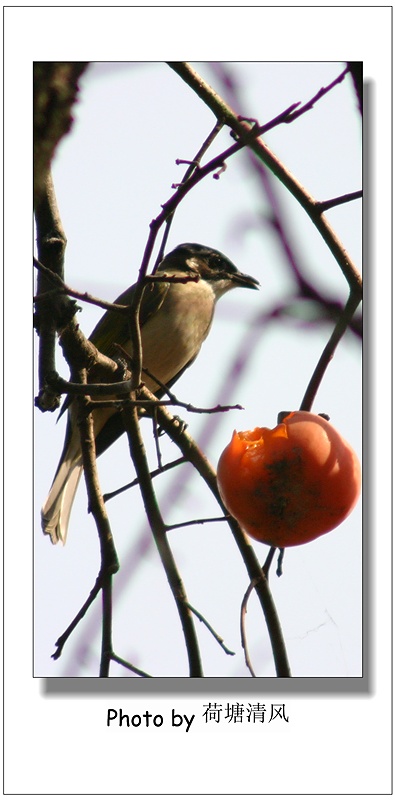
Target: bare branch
(329, 350)
(163, 468)
(55, 87)
(209, 627)
(243, 612)
(247, 137)
(324, 205)
(60, 643)
(129, 666)
(109, 559)
(321, 93)
(158, 528)
(191, 451)
(51, 244)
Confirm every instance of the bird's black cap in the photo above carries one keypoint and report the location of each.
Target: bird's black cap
(213, 265)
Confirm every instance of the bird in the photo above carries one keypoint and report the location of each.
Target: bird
(175, 319)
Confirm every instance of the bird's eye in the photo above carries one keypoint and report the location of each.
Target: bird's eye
(216, 262)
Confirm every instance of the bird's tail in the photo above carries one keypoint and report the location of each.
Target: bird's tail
(56, 510)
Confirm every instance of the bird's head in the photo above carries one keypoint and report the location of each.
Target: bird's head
(209, 264)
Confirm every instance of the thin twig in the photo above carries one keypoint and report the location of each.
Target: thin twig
(163, 468)
(321, 93)
(277, 219)
(243, 609)
(109, 559)
(268, 562)
(106, 641)
(193, 165)
(61, 287)
(247, 137)
(156, 434)
(191, 451)
(158, 528)
(216, 635)
(324, 205)
(173, 400)
(63, 386)
(129, 666)
(329, 350)
(61, 641)
(280, 560)
(243, 612)
(190, 522)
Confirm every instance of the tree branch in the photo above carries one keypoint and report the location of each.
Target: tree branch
(158, 528)
(246, 136)
(329, 350)
(191, 451)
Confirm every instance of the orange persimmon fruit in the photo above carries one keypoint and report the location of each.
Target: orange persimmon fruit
(290, 484)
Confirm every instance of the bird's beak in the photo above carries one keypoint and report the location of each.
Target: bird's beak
(241, 279)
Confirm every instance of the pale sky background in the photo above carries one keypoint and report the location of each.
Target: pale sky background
(111, 176)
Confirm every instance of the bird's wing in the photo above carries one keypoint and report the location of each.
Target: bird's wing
(113, 328)
(115, 427)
